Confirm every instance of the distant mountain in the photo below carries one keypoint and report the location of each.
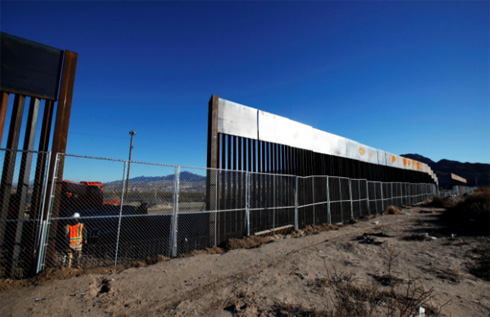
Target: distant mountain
(475, 173)
(185, 176)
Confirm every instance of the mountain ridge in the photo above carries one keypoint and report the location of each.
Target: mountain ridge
(476, 174)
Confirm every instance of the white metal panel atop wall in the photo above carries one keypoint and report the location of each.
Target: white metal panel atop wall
(399, 161)
(273, 128)
(239, 120)
(361, 152)
(381, 157)
(390, 159)
(281, 130)
(301, 135)
(236, 119)
(352, 149)
(371, 154)
(328, 143)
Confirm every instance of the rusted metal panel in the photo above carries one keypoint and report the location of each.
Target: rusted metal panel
(10, 156)
(3, 112)
(19, 205)
(236, 119)
(29, 68)
(398, 161)
(212, 155)
(60, 135)
(64, 104)
(8, 168)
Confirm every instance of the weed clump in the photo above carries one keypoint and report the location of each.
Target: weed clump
(473, 212)
(391, 210)
(438, 202)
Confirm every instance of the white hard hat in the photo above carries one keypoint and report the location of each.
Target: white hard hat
(76, 215)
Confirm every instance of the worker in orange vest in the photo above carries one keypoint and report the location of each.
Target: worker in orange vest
(74, 237)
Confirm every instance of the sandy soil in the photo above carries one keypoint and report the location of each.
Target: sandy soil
(371, 267)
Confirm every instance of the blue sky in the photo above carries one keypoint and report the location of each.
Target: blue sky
(405, 77)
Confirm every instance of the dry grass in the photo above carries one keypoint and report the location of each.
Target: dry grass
(391, 210)
(439, 202)
(473, 212)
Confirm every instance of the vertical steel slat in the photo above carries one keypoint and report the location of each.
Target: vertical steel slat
(19, 205)
(11, 154)
(213, 161)
(4, 101)
(9, 164)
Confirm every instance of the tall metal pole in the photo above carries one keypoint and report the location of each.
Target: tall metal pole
(132, 132)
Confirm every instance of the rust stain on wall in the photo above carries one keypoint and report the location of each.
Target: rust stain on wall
(362, 151)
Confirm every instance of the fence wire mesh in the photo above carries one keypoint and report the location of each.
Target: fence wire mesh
(172, 210)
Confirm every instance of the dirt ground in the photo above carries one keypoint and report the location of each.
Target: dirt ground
(391, 264)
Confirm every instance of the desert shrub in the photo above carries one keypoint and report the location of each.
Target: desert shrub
(391, 210)
(439, 202)
(473, 211)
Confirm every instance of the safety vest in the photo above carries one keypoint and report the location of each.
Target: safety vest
(74, 233)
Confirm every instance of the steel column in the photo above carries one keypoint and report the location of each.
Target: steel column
(4, 101)
(175, 212)
(9, 161)
(19, 204)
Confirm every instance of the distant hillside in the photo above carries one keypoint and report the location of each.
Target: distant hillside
(184, 177)
(475, 173)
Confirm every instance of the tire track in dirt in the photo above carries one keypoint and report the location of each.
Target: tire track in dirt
(238, 278)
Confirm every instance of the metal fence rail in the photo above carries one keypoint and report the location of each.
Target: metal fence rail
(181, 209)
(456, 191)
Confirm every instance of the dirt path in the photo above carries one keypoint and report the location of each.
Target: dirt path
(368, 259)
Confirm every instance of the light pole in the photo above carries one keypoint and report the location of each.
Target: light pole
(132, 132)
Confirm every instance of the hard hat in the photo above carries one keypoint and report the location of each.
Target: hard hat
(76, 215)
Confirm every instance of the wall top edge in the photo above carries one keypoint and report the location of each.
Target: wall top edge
(382, 157)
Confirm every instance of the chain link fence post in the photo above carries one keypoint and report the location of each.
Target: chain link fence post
(247, 202)
(329, 214)
(46, 223)
(313, 197)
(40, 234)
(350, 198)
(124, 188)
(296, 203)
(216, 188)
(341, 201)
(382, 198)
(274, 202)
(175, 211)
(367, 198)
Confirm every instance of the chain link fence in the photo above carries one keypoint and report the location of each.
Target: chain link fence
(456, 191)
(173, 210)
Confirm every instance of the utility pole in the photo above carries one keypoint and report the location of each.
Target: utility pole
(132, 132)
